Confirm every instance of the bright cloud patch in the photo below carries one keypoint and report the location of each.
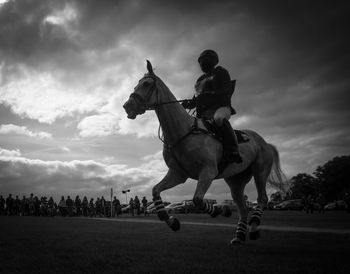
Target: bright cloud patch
(42, 97)
(9, 153)
(21, 175)
(22, 130)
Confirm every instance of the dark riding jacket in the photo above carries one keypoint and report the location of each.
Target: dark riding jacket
(213, 90)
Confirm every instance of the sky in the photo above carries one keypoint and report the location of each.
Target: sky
(67, 67)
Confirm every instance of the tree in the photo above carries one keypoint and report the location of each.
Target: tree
(302, 185)
(333, 177)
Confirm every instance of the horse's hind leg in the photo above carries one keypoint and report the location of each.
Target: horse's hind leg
(172, 179)
(237, 185)
(261, 174)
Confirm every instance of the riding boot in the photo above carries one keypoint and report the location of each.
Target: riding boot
(231, 152)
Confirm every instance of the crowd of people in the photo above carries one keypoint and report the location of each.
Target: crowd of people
(43, 206)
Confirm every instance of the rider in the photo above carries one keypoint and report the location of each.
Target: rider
(212, 100)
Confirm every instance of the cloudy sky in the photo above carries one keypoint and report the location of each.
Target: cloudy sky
(67, 67)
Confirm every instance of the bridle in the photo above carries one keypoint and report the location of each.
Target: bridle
(143, 101)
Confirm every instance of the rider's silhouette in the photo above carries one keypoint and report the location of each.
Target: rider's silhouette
(212, 100)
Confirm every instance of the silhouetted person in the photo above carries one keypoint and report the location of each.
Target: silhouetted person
(85, 206)
(116, 207)
(137, 205)
(9, 205)
(24, 206)
(31, 205)
(131, 204)
(144, 205)
(36, 206)
(92, 208)
(51, 207)
(212, 101)
(2, 205)
(78, 205)
(62, 207)
(69, 203)
(103, 206)
(17, 206)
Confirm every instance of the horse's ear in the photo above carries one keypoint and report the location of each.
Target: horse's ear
(149, 67)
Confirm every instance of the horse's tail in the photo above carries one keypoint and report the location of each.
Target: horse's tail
(277, 178)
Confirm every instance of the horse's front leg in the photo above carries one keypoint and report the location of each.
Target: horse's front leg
(205, 179)
(170, 180)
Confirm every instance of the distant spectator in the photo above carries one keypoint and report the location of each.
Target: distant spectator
(137, 205)
(131, 205)
(24, 206)
(17, 206)
(116, 207)
(69, 203)
(78, 205)
(98, 206)
(62, 207)
(51, 207)
(9, 205)
(103, 206)
(2, 205)
(36, 206)
(31, 204)
(144, 205)
(92, 209)
(85, 206)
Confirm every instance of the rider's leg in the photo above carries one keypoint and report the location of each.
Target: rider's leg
(221, 117)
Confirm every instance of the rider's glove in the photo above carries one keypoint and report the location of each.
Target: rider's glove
(189, 104)
(186, 103)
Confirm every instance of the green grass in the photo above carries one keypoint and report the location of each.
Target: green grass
(64, 245)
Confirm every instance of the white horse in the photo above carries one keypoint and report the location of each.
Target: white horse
(190, 152)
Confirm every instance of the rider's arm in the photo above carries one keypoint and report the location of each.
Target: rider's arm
(222, 81)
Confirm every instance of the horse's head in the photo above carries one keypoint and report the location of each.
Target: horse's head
(145, 95)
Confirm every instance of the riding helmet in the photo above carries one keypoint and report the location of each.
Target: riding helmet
(211, 53)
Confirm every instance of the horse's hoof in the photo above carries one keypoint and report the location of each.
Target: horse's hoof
(254, 235)
(226, 211)
(174, 223)
(236, 241)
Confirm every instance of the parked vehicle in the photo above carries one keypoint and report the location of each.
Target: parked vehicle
(230, 203)
(290, 205)
(126, 208)
(336, 205)
(271, 204)
(172, 208)
(152, 209)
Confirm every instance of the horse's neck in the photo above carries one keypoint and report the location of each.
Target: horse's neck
(173, 118)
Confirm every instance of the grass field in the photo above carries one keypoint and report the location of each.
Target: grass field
(78, 245)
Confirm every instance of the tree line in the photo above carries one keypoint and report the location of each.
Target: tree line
(331, 180)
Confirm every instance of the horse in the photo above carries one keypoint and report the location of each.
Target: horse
(190, 152)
